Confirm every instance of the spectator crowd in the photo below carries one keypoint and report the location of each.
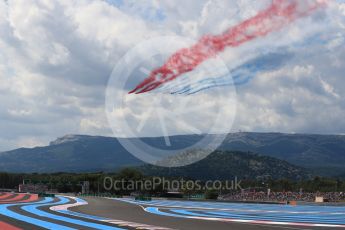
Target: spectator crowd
(282, 196)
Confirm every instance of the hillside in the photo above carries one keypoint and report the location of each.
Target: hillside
(69, 154)
(74, 153)
(324, 153)
(223, 165)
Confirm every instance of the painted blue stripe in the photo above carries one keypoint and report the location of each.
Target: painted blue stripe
(258, 214)
(187, 214)
(78, 214)
(34, 209)
(44, 224)
(240, 206)
(300, 219)
(157, 212)
(72, 213)
(281, 213)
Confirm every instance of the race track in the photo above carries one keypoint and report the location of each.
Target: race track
(27, 211)
(268, 214)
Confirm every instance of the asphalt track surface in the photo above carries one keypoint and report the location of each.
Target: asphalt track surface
(24, 211)
(133, 211)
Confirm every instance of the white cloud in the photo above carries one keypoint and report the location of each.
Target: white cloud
(56, 58)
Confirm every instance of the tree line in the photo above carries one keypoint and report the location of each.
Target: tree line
(72, 182)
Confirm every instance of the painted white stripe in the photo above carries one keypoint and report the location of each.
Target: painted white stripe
(65, 207)
(259, 222)
(172, 205)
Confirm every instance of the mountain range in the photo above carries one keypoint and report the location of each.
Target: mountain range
(323, 154)
(225, 165)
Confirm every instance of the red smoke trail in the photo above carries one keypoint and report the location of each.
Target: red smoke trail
(280, 13)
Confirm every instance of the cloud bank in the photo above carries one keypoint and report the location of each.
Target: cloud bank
(56, 58)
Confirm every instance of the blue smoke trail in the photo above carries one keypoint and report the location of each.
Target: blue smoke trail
(240, 75)
(269, 61)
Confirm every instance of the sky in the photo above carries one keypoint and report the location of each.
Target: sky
(57, 56)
